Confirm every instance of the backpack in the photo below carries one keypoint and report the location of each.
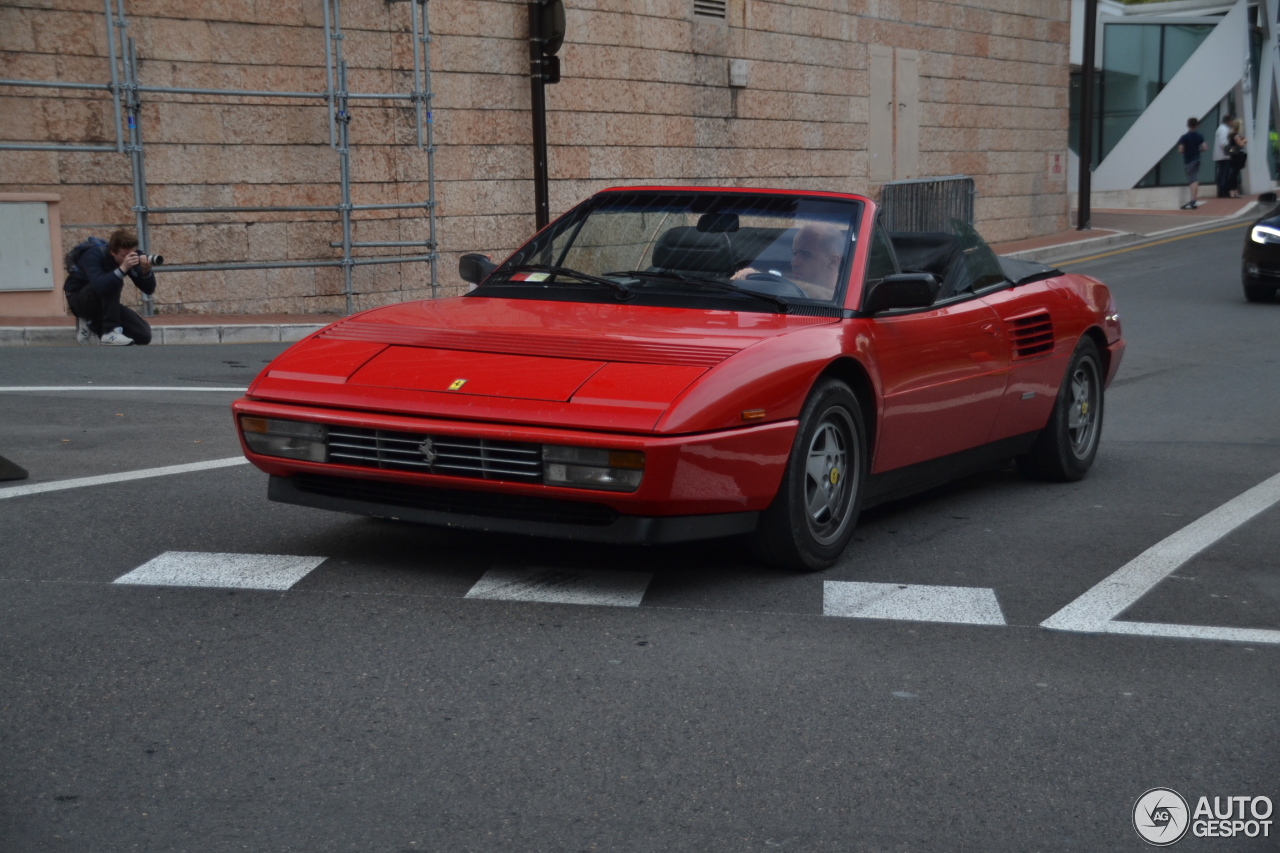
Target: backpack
(72, 259)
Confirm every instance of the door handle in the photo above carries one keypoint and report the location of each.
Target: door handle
(990, 329)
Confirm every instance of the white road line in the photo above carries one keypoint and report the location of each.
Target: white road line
(1193, 632)
(123, 476)
(235, 571)
(563, 586)
(1097, 609)
(6, 389)
(964, 605)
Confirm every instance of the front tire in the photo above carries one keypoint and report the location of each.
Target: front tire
(812, 517)
(1066, 446)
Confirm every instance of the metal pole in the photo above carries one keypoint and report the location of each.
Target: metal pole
(1083, 213)
(115, 80)
(24, 146)
(55, 84)
(431, 150)
(136, 160)
(234, 93)
(538, 100)
(417, 73)
(344, 161)
(328, 70)
(319, 208)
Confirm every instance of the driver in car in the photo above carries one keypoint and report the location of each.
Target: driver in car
(816, 253)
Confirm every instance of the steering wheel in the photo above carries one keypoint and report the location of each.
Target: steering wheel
(786, 287)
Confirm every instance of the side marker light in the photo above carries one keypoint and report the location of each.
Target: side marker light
(752, 414)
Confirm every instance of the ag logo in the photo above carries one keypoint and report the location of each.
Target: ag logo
(1160, 816)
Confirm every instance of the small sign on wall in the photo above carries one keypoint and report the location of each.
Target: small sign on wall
(1056, 166)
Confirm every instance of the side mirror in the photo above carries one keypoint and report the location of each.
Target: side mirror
(907, 290)
(475, 267)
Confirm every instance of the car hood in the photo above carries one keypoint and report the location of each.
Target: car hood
(591, 366)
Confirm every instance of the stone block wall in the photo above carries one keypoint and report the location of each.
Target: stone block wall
(644, 99)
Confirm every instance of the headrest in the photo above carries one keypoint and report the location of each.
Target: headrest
(690, 250)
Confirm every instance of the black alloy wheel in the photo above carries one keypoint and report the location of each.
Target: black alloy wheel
(1066, 447)
(812, 517)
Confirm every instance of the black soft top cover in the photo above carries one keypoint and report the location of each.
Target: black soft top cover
(1025, 272)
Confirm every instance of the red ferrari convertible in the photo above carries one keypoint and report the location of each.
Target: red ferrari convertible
(665, 364)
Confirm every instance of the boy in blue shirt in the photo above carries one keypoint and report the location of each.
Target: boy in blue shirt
(1190, 145)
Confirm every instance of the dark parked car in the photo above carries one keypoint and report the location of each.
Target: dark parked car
(1261, 266)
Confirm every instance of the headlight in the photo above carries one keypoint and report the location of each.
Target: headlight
(589, 468)
(1264, 234)
(290, 439)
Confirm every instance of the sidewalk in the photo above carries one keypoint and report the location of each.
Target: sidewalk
(174, 329)
(1112, 227)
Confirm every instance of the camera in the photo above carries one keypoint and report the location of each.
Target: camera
(155, 260)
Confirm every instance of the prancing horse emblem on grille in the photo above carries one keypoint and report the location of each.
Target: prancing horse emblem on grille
(428, 451)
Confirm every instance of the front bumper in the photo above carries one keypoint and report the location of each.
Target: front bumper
(1261, 262)
(727, 472)
(534, 517)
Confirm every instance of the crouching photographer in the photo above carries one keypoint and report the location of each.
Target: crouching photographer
(96, 273)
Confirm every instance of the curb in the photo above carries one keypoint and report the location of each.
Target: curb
(1067, 251)
(1089, 244)
(237, 333)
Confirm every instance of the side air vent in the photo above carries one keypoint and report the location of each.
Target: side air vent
(710, 8)
(1031, 335)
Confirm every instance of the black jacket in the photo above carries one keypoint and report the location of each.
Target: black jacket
(98, 270)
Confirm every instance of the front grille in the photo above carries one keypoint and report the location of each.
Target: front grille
(459, 501)
(457, 456)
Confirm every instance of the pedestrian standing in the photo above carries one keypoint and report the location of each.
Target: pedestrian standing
(1190, 145)
(1220, 159)
(1237, 156)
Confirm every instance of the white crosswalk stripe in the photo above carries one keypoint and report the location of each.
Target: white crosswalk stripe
(911, 602)
(563, 586)
(234, 571)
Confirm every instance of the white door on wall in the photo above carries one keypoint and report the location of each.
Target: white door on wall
(880, 117)
(26, 253)
(907, 144)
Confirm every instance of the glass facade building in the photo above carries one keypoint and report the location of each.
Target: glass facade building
(1138, 61)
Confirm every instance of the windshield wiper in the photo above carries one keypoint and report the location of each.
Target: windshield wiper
(621, 289)
(783, 305)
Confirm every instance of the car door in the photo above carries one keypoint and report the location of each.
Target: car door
(1037, 358)
(943, 371)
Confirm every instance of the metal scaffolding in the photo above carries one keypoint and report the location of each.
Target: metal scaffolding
(126, 90)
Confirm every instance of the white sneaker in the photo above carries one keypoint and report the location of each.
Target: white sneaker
(116, 338)
(84, 335)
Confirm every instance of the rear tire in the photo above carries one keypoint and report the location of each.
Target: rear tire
(1259, 292)
(1065, 448)
(812, 517)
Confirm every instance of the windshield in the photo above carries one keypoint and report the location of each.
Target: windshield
(742, 251)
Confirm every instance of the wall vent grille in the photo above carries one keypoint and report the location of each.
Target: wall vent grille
(710, 8)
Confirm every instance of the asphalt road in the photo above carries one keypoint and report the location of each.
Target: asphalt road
(372, 707)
